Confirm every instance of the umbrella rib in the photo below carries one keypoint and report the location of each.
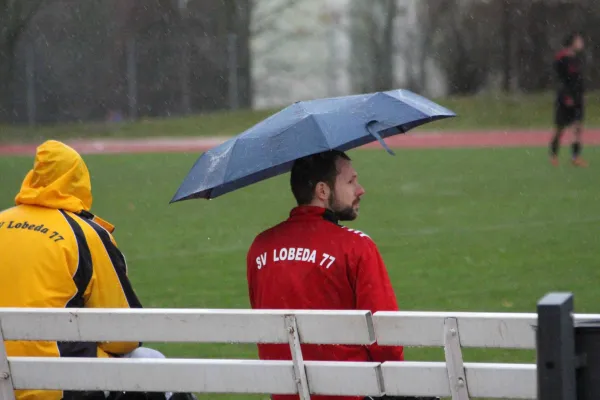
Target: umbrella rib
(229, 159)
(226, 175)
(322, 130)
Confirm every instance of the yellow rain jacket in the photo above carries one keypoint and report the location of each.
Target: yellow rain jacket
(55, 253)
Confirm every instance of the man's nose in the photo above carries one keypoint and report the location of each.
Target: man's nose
(360, 191)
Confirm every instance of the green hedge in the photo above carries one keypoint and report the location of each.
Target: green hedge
(481, 112)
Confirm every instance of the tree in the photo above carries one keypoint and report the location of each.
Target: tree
(15, 16)
(175, 56)
(372, 32)
(466, 44)
(239, 20)
(420, 22)
(507, 29)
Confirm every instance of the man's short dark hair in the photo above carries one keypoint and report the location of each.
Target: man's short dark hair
(308, 171)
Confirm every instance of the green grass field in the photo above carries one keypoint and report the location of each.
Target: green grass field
(460, 229)
(486, 111)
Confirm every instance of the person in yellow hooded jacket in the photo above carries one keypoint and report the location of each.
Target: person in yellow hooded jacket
(56, 253)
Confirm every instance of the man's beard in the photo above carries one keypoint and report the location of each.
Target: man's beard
(342, 213)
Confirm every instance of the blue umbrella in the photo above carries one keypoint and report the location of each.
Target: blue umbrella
(270, 147)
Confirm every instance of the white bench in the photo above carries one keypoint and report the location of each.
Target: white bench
(411, 329)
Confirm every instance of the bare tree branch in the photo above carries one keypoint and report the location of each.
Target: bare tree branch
(266, 20)
(372, 32)
(14, 19)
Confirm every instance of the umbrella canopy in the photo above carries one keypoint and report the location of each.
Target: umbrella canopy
(270, 147)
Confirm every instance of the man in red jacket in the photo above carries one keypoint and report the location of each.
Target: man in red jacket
(309, 261)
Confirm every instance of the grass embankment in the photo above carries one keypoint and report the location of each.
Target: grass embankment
(482, 112)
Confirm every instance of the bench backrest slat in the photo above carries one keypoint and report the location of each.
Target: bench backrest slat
(206, 376)
(217, 376)
(185, 325)
(514, 381)
(493, 330)
(476, 329)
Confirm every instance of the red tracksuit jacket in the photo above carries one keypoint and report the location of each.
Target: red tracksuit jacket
(311, 262)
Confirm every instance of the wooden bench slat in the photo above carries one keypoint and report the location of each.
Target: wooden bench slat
(186, 325)
(494, 330)
(514, 381)
(345, 378)
(216, 376)
(206, 376)
(426, 329)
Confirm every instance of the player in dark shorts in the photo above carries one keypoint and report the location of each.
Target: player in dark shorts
(569, 105)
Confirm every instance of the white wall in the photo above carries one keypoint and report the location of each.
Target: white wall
(306, 53)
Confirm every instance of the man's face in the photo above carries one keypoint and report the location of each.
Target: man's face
(345, 196)
(578, 44)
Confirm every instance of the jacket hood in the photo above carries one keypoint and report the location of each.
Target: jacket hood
(59, 179)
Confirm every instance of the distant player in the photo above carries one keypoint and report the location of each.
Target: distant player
(569, 106)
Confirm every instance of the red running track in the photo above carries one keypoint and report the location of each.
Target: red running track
(410, 140)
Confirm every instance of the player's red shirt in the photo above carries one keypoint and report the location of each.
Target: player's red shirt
(311, 262)
(569, 71)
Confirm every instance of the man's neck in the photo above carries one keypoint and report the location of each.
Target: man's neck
(317, 203)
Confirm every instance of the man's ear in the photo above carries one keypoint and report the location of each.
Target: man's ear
(322, 191)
